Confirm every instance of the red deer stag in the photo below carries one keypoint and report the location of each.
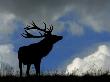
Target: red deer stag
(33, 53)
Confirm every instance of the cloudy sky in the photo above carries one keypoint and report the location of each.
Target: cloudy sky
(84, 24)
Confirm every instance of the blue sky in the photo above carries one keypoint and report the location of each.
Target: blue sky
(65, 49)
(82, 24)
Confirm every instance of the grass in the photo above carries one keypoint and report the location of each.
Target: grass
(56, 77)
(59, 77)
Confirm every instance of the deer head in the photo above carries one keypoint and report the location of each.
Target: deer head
(48, 36)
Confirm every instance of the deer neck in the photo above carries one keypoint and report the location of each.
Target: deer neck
(46, 42)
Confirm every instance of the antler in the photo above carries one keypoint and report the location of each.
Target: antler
(34, 26)
(28, 35)
(47, 31)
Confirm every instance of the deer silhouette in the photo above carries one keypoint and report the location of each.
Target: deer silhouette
(33, 53)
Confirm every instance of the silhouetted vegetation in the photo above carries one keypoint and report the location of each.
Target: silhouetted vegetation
(56, 78)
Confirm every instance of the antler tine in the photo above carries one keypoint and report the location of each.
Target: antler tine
(48, 29)
(51, 28)
(28, 35)
(27, 27)
(23, 35)
(45, 26)
(33, 24)
(40, 33)
(36, 27)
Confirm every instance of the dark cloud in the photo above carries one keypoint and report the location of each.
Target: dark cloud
(49, 9)
(91, 12)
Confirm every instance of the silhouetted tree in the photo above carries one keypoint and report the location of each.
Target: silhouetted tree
(33, 53)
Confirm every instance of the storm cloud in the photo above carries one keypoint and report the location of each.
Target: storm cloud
(91, 13)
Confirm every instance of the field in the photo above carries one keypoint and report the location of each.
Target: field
(56, 78)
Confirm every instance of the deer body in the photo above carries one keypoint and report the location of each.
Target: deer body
(33, 53)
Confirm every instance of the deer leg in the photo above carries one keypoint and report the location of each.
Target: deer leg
(20, 67)
(37, 67)
(28, 68)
